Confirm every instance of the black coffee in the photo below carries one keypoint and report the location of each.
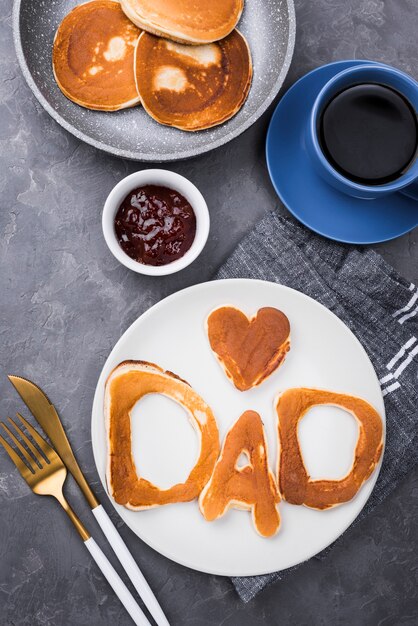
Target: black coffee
(369, 133)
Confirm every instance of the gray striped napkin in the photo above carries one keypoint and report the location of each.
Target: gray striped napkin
(377, 304)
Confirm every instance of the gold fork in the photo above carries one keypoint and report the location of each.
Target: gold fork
(45, 474)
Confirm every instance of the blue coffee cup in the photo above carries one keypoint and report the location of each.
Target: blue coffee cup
(407, 183)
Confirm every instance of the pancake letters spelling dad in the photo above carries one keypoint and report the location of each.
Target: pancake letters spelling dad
(249, 350)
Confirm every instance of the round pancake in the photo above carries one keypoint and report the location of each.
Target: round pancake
(186, 21)
(192, 87)
(93, 56)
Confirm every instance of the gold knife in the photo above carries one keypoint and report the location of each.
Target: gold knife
(46, 415)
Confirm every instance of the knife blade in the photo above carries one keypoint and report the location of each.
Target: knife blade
(46, 415)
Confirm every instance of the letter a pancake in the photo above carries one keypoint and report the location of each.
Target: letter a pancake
(295, 484)
(93, 56)
(250, 487)
(192, 87)
(248, 350)
(185, 21)
(127, 384)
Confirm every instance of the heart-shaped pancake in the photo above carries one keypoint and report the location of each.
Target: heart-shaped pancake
(249, 350)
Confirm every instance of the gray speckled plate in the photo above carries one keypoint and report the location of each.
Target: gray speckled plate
(268, 25)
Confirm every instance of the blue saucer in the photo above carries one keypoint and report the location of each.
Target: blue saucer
(311, 200)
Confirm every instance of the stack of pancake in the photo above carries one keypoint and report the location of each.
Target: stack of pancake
(183, 60)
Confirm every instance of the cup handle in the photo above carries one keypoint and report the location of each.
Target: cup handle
(411, 191)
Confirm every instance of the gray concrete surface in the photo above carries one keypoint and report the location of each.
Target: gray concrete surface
(65, 301)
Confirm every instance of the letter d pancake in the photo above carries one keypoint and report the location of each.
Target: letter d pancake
(295, 483)
(127, 384)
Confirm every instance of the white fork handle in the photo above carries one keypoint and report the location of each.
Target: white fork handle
(130, 566)
(116, 583)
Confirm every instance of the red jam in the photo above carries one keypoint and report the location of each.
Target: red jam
(155, 225)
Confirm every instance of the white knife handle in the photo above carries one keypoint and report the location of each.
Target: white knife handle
(116, 583)
(130, 566)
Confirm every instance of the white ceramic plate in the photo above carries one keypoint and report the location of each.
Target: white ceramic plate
(324, 354)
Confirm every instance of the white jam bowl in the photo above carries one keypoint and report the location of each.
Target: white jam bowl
(163, 178)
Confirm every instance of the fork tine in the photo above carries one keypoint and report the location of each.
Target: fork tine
(19, 446)
(28, 442)
(49, 452)
(21, 466)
